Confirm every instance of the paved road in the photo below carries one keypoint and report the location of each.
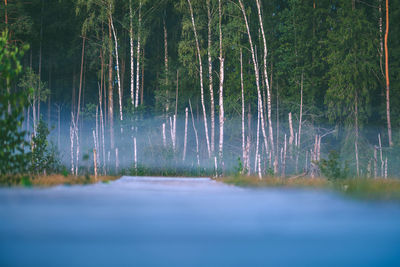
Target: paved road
(193, 222)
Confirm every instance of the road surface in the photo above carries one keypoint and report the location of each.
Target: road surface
(193, 222)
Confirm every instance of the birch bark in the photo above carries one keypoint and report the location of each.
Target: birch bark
(221, 87)
(256, 74)
(271, 135)
(201, 79)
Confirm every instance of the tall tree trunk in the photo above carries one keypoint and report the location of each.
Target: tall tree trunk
(117, 63)
(195, 134)
(5, 14)
(201, 79)
(110, 87)
(301, 112)
(131, 50)
(356, 132)
(380, 38)
(166, 66)
(142, 87)
(255, 64)
(210, 76)
(221, 88)
(80, 81)
(138, 56)
(242, 90)
(271, 134)
(389, 125)
(49, 97)
(40, 65)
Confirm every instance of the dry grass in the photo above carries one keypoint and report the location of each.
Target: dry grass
(382, 189)
(251, 181)
(53, 180)
(59, 179)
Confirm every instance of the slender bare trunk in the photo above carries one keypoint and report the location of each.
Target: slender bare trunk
(375, 163)
(291, 137)
(176, 105)
(221, 88)
(166, 67)
(195, 134)
(356, 130)
(135, 153)
(380, 151)
(116, 160)
(242, 87)
(49, 98)
(40, 67)
(255, 64)
(117, 65)
(95, 164)
(185, 138)
(257, 138)
(210, 76)
(389, 125)
(138, 56)
(271, 135)
(110, 88)
(201, 79)
(132, 56)
(301, 112)
(164, 135)
(380, 38)
(142, 87)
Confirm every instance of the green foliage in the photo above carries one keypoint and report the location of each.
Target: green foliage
(331, 168)
(37, 89)
(13, 158)
(44, 156)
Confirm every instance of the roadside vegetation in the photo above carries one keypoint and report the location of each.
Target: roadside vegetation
(362, 188)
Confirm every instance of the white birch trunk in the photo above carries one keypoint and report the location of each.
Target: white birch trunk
(131, 50)
(195, 133)
(242, 89)
(185, 138)
(375, 164)
(291, 129)
(201, 79)
(271, 135)
(135, 153)
(386, 167)
(163, 135)
(257, 139)
(256, 74)
(95, 163)
(116, 160)
(221, 88)
(138, 57)
(301, 112)
(380, 151)
(284, 159)
(210, 75)
(77, 150)
(117, 62)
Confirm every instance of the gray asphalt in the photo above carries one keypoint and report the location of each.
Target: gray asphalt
(193, 222)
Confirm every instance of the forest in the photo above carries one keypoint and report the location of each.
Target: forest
(201, 87)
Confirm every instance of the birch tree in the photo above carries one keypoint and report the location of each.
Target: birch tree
(201, 78)
(255, 65)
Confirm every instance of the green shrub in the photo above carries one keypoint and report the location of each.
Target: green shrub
(13, 158)
(331, 168)
(44, 156)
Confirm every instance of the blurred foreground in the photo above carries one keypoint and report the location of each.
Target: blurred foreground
(193, 222)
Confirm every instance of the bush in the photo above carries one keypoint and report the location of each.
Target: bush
(44, 155)
(331, 168)
(13, 158)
